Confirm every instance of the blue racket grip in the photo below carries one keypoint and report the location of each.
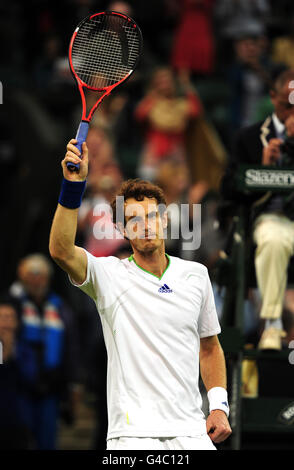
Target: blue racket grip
(81, 137)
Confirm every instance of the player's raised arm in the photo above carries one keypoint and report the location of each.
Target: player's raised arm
(69, 257)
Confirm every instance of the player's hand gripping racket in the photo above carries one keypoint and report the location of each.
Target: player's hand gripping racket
(103, 52)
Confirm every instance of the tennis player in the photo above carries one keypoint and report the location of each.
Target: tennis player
(159, 322)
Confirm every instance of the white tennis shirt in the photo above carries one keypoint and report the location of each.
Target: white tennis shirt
(152, 328)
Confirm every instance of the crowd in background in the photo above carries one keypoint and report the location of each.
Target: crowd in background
(205, 72)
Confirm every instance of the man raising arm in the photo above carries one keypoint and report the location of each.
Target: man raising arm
(159, 321)
(69, 257)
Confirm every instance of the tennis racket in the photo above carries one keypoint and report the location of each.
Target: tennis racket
(104, 51)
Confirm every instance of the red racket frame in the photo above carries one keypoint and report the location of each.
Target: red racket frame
(108, 89)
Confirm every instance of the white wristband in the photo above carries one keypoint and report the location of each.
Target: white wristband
(218, 399)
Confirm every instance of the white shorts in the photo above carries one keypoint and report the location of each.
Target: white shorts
(201, 442)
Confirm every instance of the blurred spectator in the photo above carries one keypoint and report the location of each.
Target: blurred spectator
(101, 152)
(249, 77)
(44, 69)
(13, 431)
(48, 334)
(165, 114)
(282, 47)
(193, 48)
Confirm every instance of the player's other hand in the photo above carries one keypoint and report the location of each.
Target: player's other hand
(73, 155)
(272, 152)
(217, 426)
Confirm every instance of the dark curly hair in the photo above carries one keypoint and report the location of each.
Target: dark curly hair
(137, 189)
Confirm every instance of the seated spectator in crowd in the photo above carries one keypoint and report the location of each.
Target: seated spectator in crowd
(14, 433)
(273, 214)
(248, 77)
(165, 114)
(48, 335)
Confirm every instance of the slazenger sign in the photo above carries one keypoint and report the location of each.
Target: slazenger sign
(265, 178)
(269, 178)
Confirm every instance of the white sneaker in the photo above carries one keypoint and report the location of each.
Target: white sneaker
(271, 338)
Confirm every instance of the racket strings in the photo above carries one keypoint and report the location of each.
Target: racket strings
(105, 50)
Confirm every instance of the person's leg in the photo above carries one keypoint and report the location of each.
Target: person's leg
(274, 237)
(275, 240)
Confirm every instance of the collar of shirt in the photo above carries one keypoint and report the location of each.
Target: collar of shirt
(279, 127)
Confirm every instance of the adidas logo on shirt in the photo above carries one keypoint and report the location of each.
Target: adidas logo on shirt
(165, 289)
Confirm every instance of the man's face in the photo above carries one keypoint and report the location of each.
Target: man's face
(35, 278)
(164, 83)
(280, 99)
(144, 225)
(247, 50)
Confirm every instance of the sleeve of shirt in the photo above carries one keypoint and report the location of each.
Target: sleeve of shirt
(208, 324)
(99, 277)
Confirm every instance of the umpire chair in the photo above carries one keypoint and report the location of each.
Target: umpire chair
(268, 418)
